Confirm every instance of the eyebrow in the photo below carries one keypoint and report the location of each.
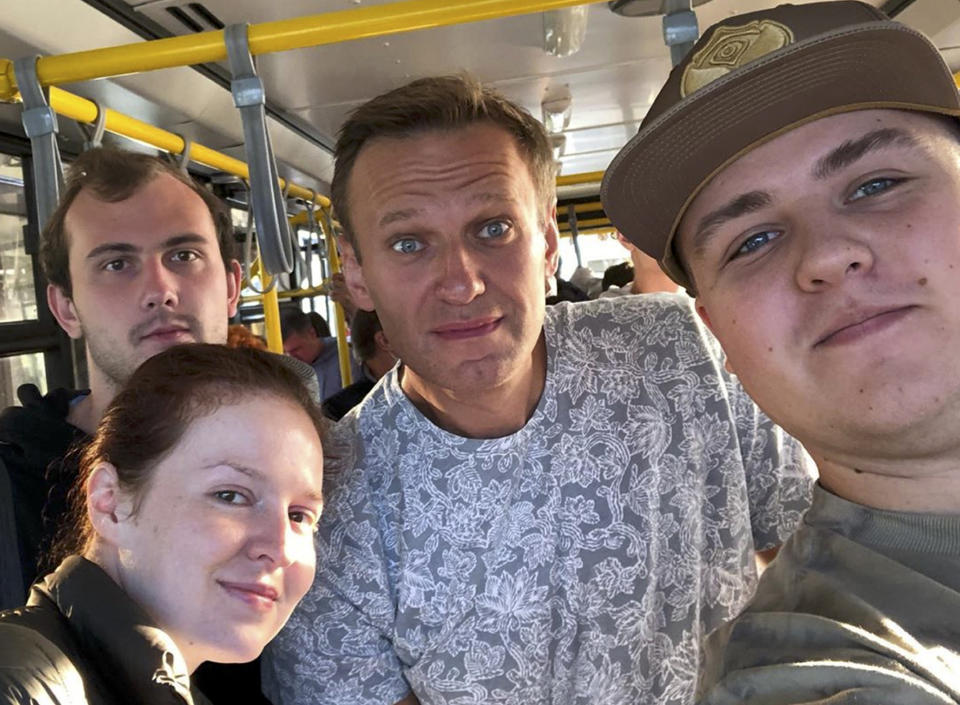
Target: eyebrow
(407, 213)
(256, 475)
(853, 150)
(125, 248)
(740, 205)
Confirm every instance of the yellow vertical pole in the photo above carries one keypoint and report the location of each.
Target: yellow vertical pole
(271, 317)
(343, 349)
(271, 309)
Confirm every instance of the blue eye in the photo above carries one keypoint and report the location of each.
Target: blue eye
(407, 245)
(756, 242)
(494, 230)
(873, 187)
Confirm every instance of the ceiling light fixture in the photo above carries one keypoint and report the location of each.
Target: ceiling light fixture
(564, 30)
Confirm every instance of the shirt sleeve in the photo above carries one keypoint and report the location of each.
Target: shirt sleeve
(783, 658)
(337, 647)
(779, 472)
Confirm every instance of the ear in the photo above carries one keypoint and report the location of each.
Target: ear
(353, 275)
(105, 505)
(64, 310)
(234, 278)
(381, 339)
(551, 233)
(705, 317)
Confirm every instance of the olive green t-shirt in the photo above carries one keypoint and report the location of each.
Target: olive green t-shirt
(861, 606)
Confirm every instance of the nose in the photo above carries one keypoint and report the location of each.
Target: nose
(272, 539)
(460, 276)
(159, 285)
(830, 256)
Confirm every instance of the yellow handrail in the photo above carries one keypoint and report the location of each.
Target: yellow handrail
(83, 110)
(586, 178)
(283, 35)
(588, 223)
(610, 230)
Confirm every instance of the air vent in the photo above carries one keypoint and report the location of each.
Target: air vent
(195, 17)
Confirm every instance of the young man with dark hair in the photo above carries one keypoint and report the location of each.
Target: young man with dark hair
(302, 340)
(374, 358)
(818, 223)
(138, 258)
(533, 507)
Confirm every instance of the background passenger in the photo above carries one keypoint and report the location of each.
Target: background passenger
(239, 336)
(138, 257)
(647, 277)
(301, 340)
(820, 228)
(195, 508)
(373, 353)
(537, 506)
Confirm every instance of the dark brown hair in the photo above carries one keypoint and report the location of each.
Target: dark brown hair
(293, 320)
(363, 329)
(438, 103)
(113, 175)
(149, 416)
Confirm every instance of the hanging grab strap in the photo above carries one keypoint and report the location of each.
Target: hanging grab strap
(273, 234)
(40, 124)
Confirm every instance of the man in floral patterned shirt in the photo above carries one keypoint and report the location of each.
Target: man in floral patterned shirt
(532, 507)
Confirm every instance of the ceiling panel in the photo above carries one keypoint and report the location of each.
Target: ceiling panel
(612, 79)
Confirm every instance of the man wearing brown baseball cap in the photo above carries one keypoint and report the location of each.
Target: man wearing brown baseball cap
(799, 173)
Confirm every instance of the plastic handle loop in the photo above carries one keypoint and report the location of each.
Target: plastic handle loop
(40, 125)
(273, 233)
(248, 252)
(94, 133)
(183, 162)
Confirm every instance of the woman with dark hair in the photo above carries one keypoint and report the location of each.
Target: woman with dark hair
(193, 535)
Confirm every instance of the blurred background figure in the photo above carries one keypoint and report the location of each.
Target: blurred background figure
(372, 352)
(319, 324)
(239, 336)
(647, 275)
(301, 340)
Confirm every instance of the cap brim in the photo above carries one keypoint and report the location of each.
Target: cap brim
(655, 177)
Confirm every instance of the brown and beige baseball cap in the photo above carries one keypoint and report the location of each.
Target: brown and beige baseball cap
(750, 78)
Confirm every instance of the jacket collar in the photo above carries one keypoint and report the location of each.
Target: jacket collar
(139, 657)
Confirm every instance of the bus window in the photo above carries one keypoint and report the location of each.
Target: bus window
(18, 299)
(20, 369)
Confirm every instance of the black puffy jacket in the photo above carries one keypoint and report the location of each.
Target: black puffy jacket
(81, 641)
(34, 440)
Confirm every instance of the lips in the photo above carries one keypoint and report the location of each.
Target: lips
(167, 331)
(473, 328)
(853, 325)
(256, 595)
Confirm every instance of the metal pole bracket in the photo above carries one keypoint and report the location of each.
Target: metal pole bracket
(40, 125)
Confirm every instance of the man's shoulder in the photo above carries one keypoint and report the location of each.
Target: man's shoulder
(340, 403)
(38, 431)
(596, 332)
(829, 619)
(640, 309)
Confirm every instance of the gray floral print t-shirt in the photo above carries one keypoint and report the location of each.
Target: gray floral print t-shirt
(578, 560)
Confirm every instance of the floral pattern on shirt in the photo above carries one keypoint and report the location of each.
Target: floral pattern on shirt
(578, 560)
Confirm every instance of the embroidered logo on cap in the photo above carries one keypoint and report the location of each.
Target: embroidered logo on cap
(731, 47)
